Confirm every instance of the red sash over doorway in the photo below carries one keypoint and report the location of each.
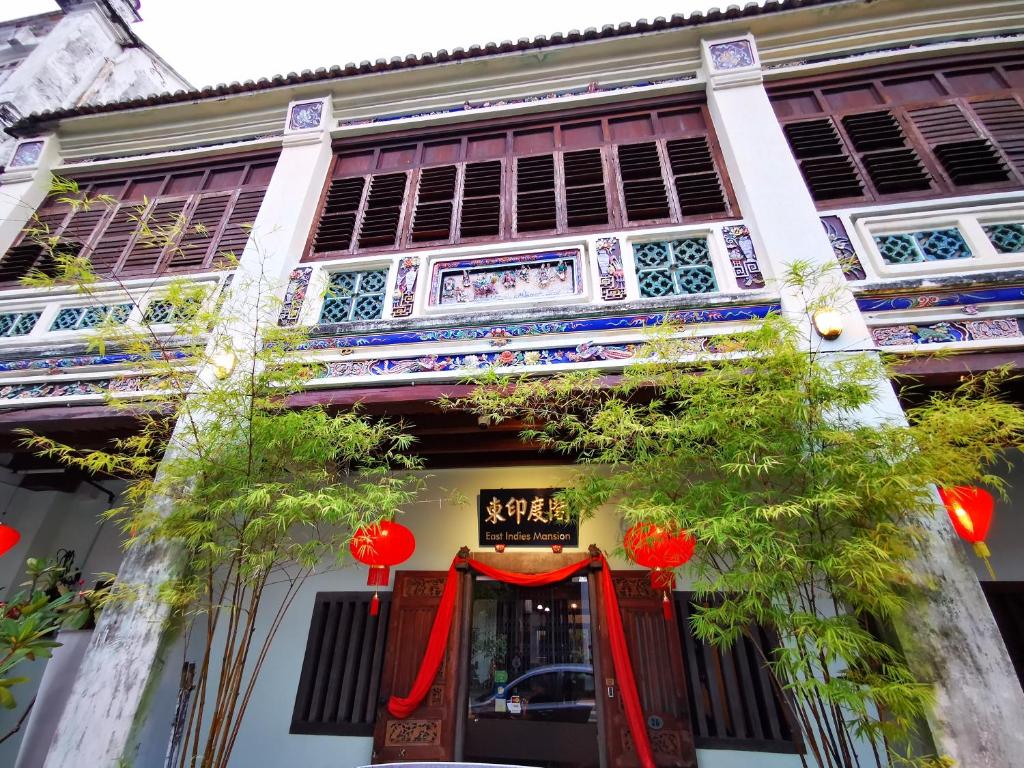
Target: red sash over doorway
(402, 707)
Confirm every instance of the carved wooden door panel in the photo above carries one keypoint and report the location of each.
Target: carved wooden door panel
(657, 660)
(429, 732)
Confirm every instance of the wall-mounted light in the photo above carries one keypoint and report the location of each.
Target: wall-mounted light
(828, 322)
(223, 362)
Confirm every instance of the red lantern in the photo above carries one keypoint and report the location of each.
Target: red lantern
(970, 509)
(380, 546)
(8, 538)
(662, 549)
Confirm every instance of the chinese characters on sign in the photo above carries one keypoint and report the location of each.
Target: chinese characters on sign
(525, 517)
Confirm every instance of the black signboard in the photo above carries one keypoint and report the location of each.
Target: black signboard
(525, 517)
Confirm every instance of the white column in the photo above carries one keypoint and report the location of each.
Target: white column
(107, 709)
(24, 185)
(950, 638)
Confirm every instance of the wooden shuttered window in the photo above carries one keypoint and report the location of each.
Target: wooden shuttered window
(909, 133)
(341, 670)
(202, 212)
(584, 173)
(733, 702)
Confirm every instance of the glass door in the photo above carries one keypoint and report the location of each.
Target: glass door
(531, 676)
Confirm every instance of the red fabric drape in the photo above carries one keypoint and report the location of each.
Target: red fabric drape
(402, 707)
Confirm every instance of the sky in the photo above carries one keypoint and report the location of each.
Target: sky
(219, 41)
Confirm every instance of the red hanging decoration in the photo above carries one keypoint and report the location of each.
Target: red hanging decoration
(8, 538)
(380, 546)
(662, 549)
(970, 510)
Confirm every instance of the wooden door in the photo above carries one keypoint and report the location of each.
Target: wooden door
(428, 734)
(657, 660)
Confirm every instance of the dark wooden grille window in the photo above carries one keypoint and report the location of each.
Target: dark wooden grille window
(204, 211)
(581, 173)
(917, 131)
(733, 702)
(340, 679)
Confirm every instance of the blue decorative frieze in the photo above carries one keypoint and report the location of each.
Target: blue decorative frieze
(843, 248)
(957, 298)
(79, 361)
(609, 267)
(734, 54)
(499, 335)
(405, 286)
(516, 277)
(295, 294)
(467, 106)
(742, 256)
(948, 331)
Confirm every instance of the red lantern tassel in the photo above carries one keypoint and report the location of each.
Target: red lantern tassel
(374, 605)
(379, 576)
(666, 606)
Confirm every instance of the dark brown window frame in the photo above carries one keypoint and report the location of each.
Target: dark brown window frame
(191, 252)
(506, 130)
(884, 80)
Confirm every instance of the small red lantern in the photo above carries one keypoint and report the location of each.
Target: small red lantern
(662, 549)
(970, 510)
(8, 538)
(380, 546)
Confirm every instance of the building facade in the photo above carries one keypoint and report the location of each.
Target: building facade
(534, 206)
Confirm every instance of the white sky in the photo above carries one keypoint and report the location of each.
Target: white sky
(217, 41)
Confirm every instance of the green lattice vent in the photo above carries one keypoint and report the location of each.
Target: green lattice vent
(354, 296)
(926, 245)
(674, 267)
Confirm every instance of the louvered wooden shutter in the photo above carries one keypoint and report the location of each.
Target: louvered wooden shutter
(338, 220)
(238, 228)
(586, 203)
(643, 185)
(113, 239)
(383, 210)
(143, 257)
(891, 165)
(26, 254)
(697, 183)
(340, 679)
(827, 168)
(536, 208)
(200, 231)
(82, 226)
(435, 204)
(1004, 121)
(481, 200)
(967, 157)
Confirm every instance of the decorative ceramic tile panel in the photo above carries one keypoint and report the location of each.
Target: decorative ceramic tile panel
(948, 331)
(305, 116)
(927, 245)
(26, 155)
(842, 247)
(742, 256)
(295, 294)
(732, 55)
(674, 267)
(81, 361)
(82, 318)
(74, 388)
(354, 296)
(609, 266)
(405, 287)
(18, 323)
(512, 278)
(1006, 238)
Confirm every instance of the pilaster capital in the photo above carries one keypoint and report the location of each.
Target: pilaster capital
(731, 61)
(30, 158)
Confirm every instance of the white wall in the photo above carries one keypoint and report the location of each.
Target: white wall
(49, 521)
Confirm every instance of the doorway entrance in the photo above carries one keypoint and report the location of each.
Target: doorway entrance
(531, 693)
